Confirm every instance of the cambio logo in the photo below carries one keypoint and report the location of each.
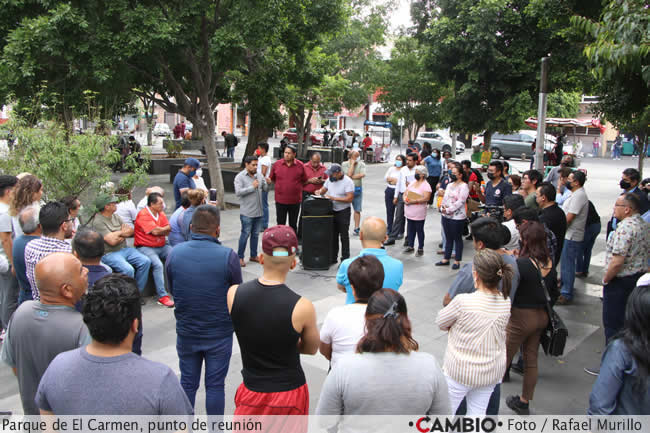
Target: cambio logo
(459, 424)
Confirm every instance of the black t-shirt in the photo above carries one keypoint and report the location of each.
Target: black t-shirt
(554, 219)
(494, 195)
(530, 292)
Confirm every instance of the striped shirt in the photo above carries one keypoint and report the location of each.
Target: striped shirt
(476, 350)
(38, 249)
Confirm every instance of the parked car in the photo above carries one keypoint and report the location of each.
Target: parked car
(439, 141)
(515, 144)
(291, 134)
(162, 129)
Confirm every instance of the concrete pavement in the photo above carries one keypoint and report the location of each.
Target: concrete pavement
(562, 388)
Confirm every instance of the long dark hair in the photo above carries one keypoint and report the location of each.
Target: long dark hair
(533, 242)
(388, 328)
(636, 332)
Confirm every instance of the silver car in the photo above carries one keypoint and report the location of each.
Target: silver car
(513, 145)
(439, 142)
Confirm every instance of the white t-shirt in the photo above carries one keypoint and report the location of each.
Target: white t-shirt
(514, 235)
(266, 162)
(127, 211)
(577, 204)
(343, 328)
(339, 189)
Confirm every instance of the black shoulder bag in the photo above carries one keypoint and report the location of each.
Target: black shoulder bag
(554, 337)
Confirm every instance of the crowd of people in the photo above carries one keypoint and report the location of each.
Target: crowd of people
(71, 291)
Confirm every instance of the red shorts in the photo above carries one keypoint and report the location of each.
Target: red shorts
(273, 409)
(294, 402)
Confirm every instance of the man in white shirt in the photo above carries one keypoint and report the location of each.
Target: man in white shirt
(264, 168)
(340, 189)
(576, 208)
(344, 325)
(406, 176)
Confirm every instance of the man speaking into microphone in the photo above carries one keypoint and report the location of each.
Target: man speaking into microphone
(340, 189)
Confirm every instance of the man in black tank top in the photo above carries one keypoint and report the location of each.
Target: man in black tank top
(274, 325)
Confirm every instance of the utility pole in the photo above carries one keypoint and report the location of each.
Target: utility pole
(541, 116)
(453, 145)
(401, 125)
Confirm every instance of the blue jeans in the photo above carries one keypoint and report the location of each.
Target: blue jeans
(24, 295)
(216, 354)
(265, 210)
(591, 233)
(357, 201)
(130, 262)
(158, 257)
(230, 152)
(453, 237)
(250, 227)
(415, 227)
(389, 193)
(570, 252)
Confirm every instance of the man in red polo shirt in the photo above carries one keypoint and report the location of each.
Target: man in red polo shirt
(289, 176)
(151, 227)
(316, 177)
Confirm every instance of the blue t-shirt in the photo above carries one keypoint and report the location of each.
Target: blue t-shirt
(393, 271)
(78, 383)
(182, 181)
(18, 252)
(494, 195)
(434, 166)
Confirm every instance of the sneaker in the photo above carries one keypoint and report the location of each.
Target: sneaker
(562, 300)
(400, 237)
(455, 266)
(419, 253)
(356, 231)
(166, 301)
(592, 371)
(441, 263)
(518, 406)
(390, 241)
(409, 249)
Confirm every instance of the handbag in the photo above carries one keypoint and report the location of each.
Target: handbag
(553, 339)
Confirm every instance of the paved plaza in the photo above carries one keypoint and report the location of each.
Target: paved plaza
(562, 388)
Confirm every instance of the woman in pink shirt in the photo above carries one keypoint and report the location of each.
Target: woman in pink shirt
(415, 209)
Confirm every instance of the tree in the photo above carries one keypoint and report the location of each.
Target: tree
(408, 89)
(488, 51)
(619, 55)
(563, 104)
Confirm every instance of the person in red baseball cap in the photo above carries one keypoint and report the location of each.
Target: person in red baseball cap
(274, 325)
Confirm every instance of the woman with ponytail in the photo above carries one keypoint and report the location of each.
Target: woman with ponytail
(387, 375)
(475, 359)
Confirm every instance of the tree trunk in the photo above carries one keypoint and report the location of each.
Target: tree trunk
(487, 140)
(307, 132)
(149, 131)
(206, 128)
(644, 152)
(257, 133)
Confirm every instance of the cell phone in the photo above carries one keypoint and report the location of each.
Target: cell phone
(213, 194)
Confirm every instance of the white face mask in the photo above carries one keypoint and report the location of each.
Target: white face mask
(199, 172)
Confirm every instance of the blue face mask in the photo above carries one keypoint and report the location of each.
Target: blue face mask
(398, 163)
(192, 173)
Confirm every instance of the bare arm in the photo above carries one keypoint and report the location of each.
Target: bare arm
(326, 350)
(569, 218)
(161, 231)
(113, 238)
(7, 244)
(304, 321)
(349, 198)
(127, 231)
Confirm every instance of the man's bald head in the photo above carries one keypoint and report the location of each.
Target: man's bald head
(61, 279)
(373, 230)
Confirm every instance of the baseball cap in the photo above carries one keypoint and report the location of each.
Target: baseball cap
(334, 168)
(103, 199)
(193, 162)
(279, 237)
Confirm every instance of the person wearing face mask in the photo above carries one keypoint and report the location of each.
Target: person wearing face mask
(553, 176)
(340, 189)
(446, 157)
(406, 176)
(434, 168)
(576, 208)
(629, 183)
(391, 177)
(416, 198)
(198, 179)
(497, 188)
(184, 179)
(454, 215)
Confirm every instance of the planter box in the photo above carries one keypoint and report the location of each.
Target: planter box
(186, 144)
(162, 166)
(173, 170)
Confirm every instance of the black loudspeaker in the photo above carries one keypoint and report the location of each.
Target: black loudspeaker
(317, 228)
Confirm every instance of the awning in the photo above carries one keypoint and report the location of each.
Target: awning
(561, 122)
